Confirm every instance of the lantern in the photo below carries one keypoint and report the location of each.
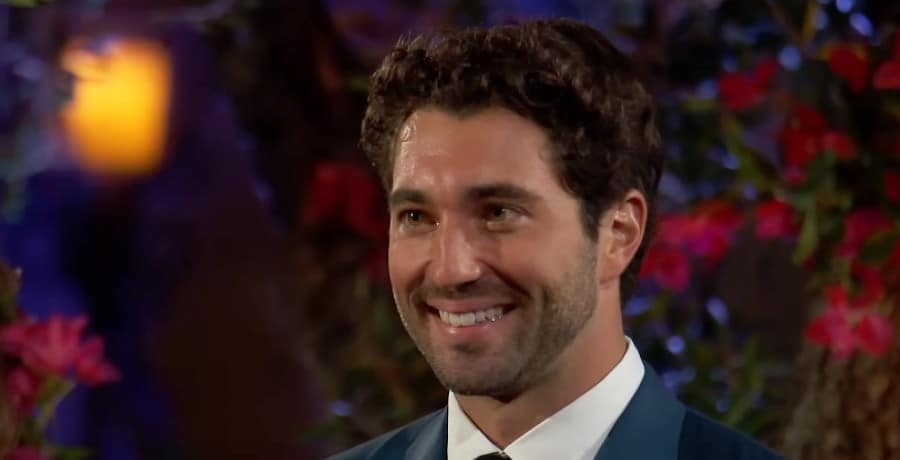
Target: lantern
(117, 119)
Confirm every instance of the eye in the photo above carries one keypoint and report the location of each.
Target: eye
(411, 217)
(414, 219)
(499, 213)
(500, 216)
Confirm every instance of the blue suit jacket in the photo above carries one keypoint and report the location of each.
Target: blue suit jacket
(654, 426)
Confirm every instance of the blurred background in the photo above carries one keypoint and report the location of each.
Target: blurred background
(186, 174)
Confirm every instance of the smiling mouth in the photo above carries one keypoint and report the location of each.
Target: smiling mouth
(472, 318)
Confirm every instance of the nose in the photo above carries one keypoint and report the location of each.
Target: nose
(454, 258)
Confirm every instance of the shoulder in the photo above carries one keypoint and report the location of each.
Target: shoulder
(705, 439)
(392, 445)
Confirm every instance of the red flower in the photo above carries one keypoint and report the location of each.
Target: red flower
(706, 232)
(674, 228)
(345, 193)
(839, 143)
(667, 266)
(325, 194)
(892, 186)
(837, 297)
(801, 142)
(807, 118)
(54, 345)
(713, 227)
(23, 387)
(740, 91)
(888, 75)
(775, 219)
(871, 289)
(765, 71)
(850, 63)
(800, 147)
(873, 333)
(15, 336)
(92, 369)
(832, 329)
(859, 226)
(25, 453)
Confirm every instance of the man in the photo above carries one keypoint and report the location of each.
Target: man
(521, 164)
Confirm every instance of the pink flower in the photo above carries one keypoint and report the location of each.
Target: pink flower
(859, 226)
(832, 329)
(714, 225)
(706, 232)
(892, 186)
(23, 387)
(874, 333)
(667, 266)
(850, 63)
(15, 336)
(54, 345)
(90, 366)
(839, 143)
(846, 325)
(775, 219)
(25, 453)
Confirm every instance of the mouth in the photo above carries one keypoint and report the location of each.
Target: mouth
(470, 318)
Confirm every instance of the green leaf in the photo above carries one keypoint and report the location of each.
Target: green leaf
(21, 3)
(809, 237)
(71, 453)
(749, 167)
(879, 247)
(699, 105)
(10, 281)
(55, 389)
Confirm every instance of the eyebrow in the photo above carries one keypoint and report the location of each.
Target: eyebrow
(498, 190)
(501, 190)
(407, 196)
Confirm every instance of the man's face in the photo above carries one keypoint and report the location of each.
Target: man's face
(492, 273)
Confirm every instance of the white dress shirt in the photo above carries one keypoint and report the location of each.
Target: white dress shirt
(575, 432)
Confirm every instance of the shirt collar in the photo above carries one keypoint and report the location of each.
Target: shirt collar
(563, 435)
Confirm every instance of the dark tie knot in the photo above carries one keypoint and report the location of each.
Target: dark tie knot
(493, 456)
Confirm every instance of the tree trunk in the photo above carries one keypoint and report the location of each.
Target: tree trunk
(848, 409)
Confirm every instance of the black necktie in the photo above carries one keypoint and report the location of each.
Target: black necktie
(494, 456)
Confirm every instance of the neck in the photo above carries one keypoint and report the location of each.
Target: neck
(594, 352)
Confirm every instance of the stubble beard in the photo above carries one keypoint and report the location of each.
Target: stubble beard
(532, 354)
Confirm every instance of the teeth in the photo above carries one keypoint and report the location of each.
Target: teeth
(471, 318)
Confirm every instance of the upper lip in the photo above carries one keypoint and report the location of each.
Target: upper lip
(466, 305)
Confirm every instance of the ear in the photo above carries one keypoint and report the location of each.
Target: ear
(622, 229)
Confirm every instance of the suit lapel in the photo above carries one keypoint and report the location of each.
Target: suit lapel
(650, 426)
(430, 443)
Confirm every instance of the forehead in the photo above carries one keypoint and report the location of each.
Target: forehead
(436, 148)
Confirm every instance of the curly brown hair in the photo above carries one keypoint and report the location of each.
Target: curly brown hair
(563, 75)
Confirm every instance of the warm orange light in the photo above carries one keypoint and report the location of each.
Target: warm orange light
(117, 118)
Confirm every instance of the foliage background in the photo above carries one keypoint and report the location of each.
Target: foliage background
(242, 290)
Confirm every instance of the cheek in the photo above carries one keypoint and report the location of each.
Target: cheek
(404, 262)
